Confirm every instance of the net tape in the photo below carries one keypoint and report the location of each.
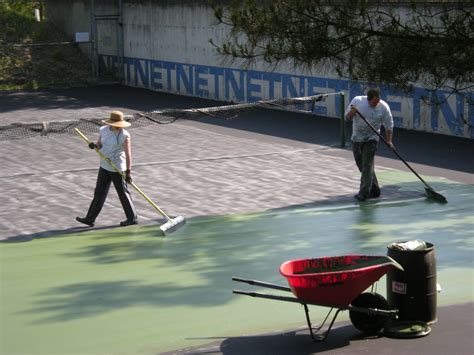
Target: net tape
(29, 130)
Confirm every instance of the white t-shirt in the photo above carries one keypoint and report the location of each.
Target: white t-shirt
(112, 148)
(377, 116)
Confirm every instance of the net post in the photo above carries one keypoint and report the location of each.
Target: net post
(343, 121)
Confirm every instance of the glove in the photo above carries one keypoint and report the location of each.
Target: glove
(92, 145)
(128, 176)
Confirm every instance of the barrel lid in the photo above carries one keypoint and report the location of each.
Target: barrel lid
(406, 329)
(416, 245)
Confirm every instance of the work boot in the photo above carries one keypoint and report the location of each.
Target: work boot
(128, 222)
(85, 221)
(360, 197)
(374, 194)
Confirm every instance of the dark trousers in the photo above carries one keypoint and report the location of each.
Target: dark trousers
(364, 155)
(104, 178)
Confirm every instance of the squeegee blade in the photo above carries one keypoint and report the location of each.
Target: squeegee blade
(435, 196)
(173, 225)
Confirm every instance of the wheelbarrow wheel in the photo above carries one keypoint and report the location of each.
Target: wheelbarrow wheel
(366, 322)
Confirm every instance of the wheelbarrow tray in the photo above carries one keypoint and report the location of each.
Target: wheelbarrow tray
(335, 280)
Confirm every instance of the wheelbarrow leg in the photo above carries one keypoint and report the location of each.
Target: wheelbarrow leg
(330, 325)
(325, 334)
(308, 321)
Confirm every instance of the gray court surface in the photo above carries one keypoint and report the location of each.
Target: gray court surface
(259, 161)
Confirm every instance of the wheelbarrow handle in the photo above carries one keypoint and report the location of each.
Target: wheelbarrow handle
(263, 284)
(267, 296)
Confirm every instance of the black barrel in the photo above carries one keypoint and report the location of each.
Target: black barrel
(413, 291)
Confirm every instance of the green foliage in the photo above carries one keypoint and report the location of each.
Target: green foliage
(23, 65)
(360, 40)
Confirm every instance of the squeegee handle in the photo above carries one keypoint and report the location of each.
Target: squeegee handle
(393, 149)
(149, 200)
(107, 159)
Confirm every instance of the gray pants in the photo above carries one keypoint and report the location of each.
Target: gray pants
(364, 154)
(104, 178)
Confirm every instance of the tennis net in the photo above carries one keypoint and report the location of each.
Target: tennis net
(166, 116)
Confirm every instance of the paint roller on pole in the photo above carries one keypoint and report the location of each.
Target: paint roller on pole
(172, 224)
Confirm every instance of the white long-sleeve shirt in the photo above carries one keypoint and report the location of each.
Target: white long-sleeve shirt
(377, 116)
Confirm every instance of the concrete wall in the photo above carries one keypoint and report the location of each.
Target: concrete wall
(166, 48)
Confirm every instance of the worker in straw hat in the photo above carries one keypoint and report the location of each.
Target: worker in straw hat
(114, 143)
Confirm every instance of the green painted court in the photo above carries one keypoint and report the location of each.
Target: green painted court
(131, 290)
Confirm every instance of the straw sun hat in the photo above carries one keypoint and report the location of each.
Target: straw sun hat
(116, 120)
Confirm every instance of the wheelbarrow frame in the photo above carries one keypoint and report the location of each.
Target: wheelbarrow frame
(393, 313)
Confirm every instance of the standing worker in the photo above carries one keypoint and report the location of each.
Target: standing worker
(364, 140)
(114, 143)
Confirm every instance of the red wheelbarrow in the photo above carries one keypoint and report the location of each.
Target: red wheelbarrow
(337, 282)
